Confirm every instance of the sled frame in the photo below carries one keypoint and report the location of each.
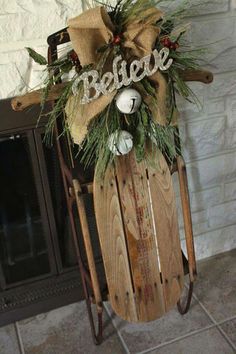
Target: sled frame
(74, 191)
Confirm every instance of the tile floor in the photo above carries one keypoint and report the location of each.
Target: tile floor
(208, 328)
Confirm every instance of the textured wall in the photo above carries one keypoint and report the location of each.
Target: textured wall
(27, 23)
(209, 133)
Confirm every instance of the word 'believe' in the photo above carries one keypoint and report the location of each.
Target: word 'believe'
(94, 86)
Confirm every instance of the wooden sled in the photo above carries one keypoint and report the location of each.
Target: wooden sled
(138, 229)
(136, 293)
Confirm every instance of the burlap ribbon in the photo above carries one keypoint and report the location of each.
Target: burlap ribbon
(92, 30)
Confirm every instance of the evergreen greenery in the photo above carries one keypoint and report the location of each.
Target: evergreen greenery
(147, 135)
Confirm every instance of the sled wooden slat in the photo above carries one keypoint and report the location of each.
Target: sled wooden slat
(113, 245)
(22, 102)
(166, 221)
(138, 230)
(141, 243)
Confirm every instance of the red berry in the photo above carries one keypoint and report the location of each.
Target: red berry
(174, 45)
(166, 42)
(74, 56)
(117, 39)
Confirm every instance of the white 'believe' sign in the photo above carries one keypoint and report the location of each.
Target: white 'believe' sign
(120, 77)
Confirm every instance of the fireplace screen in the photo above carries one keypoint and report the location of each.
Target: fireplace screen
(38, 265)
(24, 245)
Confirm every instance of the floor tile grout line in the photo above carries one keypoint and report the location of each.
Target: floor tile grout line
(205, 309)
(218, 324)
(162, 344)
(214, 324)
(200, 330)
(227, 320)
(210, 316)
(226, 337)
(19, 339)
(118, 331)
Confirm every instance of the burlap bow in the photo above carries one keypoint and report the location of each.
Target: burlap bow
(92, 30)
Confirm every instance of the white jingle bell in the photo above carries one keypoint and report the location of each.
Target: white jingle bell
(128, 101)
(120, 142)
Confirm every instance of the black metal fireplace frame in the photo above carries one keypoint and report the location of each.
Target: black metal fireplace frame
(62, 286)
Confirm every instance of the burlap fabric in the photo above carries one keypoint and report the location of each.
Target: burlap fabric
(92, 30)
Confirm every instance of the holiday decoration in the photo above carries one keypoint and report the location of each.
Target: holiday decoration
(120, 143)
(129, 62)
(131, 203)
(128, 101)
(119, 51)
(120, 76)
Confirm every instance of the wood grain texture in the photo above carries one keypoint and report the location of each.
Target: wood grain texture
(188, 228)
(113, 245)
(140, 236)
(138, 230)
(21, 102)
(87, 243)
(206, 77)
(166, 222)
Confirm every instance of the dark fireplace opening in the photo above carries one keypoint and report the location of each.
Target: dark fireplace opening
(23, 249)
(38, 267)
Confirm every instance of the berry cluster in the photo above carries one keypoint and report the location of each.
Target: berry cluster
(166, 42)
(117, 39)
(74, 58)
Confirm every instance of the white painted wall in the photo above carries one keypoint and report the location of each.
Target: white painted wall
(209, 135)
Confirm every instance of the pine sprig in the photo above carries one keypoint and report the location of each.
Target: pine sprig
(95, 146)
(148, 136)
(56, 113)
(38, 58)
